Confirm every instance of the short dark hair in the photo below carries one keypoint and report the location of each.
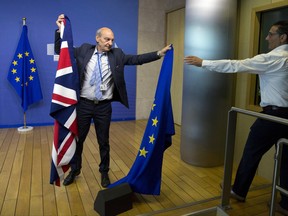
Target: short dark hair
(282, 27)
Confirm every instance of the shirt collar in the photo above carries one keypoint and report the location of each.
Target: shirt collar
(96, 52)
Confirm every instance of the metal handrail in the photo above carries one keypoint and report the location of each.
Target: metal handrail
(230, 144)
(277, 164)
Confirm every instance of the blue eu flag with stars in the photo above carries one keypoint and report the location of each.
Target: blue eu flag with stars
(23, 73)
(145, 175)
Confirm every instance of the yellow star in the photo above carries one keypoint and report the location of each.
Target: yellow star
(155, 121)
(17, 79)
(19, 55)
(26, 83)
(151, 139)
(15, 63)
(14, 71)
(32, 61)
(26, 53)
(153, 106)
(31, 78)
(143, 152)
(33, 69)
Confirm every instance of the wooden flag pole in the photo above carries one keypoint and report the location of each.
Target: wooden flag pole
(25, 128)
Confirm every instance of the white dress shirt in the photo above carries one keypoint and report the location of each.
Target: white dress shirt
(272, 69)
(87, 90)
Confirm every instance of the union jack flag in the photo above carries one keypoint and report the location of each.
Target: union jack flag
(63, 107)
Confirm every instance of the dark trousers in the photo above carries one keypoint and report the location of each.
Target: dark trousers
(263, 135)
(101, 115)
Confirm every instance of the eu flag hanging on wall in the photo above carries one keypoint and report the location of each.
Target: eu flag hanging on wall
(23, 73)
(63, 107)
(145, 175)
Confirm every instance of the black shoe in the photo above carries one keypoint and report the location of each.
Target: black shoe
(105, 181)
(71, 177)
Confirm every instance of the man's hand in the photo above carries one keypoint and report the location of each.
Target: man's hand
(163, 51)
(193, 60)
(60, 20)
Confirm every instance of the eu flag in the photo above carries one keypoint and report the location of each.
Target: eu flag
(145, 175)
(23, 73)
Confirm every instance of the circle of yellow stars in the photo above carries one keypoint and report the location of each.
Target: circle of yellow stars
(32, 69)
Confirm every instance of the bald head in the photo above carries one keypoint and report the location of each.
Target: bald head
(104, 39)
(104, 30)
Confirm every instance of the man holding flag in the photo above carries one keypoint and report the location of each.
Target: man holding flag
(63, 107)
(101, 72)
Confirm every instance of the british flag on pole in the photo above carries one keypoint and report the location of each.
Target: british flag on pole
(63, 107)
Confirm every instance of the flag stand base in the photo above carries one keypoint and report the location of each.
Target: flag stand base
(25, 129)
(113, 201)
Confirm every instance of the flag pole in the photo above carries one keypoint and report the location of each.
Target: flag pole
(25, 128)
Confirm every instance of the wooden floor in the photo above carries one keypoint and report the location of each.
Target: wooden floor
(25, 171)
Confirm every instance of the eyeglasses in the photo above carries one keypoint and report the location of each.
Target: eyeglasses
(270, 34)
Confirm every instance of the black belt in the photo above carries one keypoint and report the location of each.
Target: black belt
(95, 101)
(272, 107)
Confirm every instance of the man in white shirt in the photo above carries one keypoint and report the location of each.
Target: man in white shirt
(272, 69)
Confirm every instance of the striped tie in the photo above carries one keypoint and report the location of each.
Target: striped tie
(106, 76)
(96, 78)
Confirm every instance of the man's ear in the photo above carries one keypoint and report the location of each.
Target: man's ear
(284, 38)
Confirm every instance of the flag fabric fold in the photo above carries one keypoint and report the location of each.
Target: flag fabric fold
(145, 174)
(23, 73)
(63, 107)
